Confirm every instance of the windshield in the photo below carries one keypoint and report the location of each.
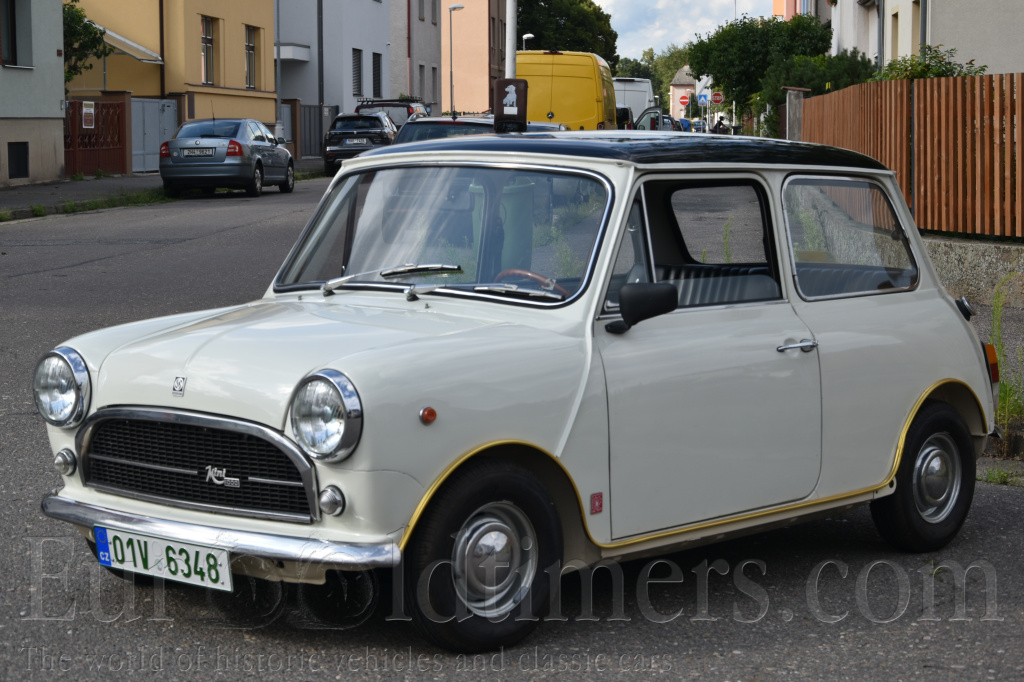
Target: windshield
(224, 128)
(524, 234)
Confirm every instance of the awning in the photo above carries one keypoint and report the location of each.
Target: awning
(124, 46)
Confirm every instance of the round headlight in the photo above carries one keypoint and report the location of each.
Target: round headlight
(327, 416)
(61, 387)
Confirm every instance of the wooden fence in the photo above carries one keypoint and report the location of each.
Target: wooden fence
(956, 145)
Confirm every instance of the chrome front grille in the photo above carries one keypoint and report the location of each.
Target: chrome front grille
(197, 461)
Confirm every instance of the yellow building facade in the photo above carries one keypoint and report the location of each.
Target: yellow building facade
(215, 56)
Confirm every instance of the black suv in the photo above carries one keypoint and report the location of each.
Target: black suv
(397, 109)
(351, 134)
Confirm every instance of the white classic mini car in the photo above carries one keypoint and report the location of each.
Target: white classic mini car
(492, 358)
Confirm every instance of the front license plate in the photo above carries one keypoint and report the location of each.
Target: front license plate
(201, 151)
(168, 559)
(357, 140)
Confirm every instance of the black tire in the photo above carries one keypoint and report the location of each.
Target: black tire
(209, 191)
(934, 484)
(289, 180)
(489, 501)
(255, 187)
(172, 190)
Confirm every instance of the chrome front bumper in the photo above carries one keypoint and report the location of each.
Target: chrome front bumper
(342, 556)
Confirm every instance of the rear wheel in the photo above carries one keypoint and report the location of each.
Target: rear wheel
(289, 180)
(171, 190)
(476, 572)
(934, 484)
(255, 187)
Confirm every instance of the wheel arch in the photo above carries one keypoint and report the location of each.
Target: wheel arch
(550, 473)
(961, 398)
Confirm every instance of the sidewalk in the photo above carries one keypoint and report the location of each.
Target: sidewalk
(52, 196)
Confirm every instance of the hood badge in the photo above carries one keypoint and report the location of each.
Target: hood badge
(220, 477)
(178, 387)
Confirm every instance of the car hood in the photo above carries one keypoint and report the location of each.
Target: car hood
(246, 361)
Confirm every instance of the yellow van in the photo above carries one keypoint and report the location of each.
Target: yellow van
(573, 88)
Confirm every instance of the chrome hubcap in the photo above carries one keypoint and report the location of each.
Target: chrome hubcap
(937, 478)
(494, 559)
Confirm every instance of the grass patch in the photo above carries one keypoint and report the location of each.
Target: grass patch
(1000, 477)
(141, 198)
(100, 173)
(5, 216)
(308, 175)
(70, 206)
(38, 210)
(78, 176)
(1010, 409)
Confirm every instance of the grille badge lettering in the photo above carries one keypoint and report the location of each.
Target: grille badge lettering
(220, 477)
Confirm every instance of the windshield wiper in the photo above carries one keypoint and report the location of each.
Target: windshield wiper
(329, 286)
(514, 290)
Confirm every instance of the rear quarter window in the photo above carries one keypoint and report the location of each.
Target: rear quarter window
(845, 238)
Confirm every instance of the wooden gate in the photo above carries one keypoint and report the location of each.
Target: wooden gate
(101, 147)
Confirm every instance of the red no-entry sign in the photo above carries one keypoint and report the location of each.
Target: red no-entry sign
(717, 98)
(684, 99)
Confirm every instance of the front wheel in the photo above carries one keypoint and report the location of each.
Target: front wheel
(476, 575)
(255, 187)
(934, 484)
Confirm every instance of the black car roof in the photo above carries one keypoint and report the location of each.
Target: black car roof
(648, 148)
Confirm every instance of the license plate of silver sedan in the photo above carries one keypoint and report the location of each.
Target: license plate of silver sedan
(494, 359)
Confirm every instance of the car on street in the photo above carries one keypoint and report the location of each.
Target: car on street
(492, 359)
(699, 126)
(398, 111)
(352, 134)
(670, 123)
(237, 153)
(421, 128)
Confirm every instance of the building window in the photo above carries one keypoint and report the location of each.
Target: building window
(17, 160)
(207, 56)
(433, 85)
(376, 75)
(423, 14)
(357, 73)
(434, 10)
(423, 82)
(250, 57)
(8, 33)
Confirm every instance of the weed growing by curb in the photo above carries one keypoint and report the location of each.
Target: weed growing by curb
(78, 176)
(1000, 477)
(70, 206)
(38, 210)
(5, 216)
(1010, 409)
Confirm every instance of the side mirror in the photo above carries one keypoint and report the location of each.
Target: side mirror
(280, 141)
(639, 302)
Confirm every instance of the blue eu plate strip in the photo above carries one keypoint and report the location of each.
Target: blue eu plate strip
(101, 546)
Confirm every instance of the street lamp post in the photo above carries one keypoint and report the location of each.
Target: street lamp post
(526, 36)
(451, 61)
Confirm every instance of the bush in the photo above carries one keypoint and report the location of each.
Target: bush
(932, 62)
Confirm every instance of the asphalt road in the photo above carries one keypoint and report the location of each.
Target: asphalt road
(822, 600)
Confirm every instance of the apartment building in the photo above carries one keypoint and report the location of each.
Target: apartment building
(416, 49)
(31, 92)
(474, 41)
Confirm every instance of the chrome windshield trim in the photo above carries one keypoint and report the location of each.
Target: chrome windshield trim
(308, 550)
(585, 282)
(305, 468)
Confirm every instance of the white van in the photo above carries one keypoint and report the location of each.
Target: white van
(635, 93)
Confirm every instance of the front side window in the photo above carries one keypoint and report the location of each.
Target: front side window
(498, 233)
(206, 59)
(250, 57)
(845, 238)
(712, 240)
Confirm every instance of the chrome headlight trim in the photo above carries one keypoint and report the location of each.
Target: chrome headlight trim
(82, 386)
(348, 409)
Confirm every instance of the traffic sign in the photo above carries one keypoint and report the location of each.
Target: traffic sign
(684, 99)
(717, 98)
(702, 99)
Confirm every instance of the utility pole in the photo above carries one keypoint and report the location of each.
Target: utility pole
(511, 30)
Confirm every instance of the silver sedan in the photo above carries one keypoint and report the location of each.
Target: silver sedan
(225, 152)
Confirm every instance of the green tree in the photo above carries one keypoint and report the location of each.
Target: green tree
(569, 26)
(932, 62)
(666, 65)
(83, 40)
(820, 74)
(739, 53)
(633, 68)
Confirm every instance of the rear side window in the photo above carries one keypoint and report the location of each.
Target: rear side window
(845, 238)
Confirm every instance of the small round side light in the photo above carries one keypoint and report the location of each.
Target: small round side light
(332, 501)
(65, 462)
(428, 415)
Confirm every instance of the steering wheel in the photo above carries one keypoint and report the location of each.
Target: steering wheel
(545, 282)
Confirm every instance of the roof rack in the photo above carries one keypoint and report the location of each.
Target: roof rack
(372, 100)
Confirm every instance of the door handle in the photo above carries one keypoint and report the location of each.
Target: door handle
(806, 345)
